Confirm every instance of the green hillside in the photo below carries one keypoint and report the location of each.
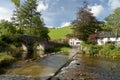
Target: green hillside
(58, 33)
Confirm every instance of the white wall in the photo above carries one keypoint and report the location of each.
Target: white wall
(105, 40)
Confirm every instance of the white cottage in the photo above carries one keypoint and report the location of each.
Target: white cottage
(107, 40)
(74, 42)
(108, 37)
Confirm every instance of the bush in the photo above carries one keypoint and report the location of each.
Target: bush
(106, 49)
(90, 48)
(5, 59)
(56, 46)
(115, 53)
(93, 49)
(2, 46)
(7, 39)
(14, 51)
(11, 44)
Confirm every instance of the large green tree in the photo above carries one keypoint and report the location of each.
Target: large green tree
(113, 22)
(28, 18)
(85, 23)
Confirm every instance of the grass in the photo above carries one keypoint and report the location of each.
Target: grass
(65, 49)
(58, 33)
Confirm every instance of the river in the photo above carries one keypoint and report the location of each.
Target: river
(95, 68)
(43, 68)
(91, 68)
(104, 69)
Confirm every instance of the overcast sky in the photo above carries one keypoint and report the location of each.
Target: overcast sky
(58, 13)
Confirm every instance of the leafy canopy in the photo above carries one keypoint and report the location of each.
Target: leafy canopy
(85, 23)
(6, 28)
(113, 21)
(28, 20)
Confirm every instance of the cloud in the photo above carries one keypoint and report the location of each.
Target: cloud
(114, 4)
(4, 10)
(97, 9)
(5, 13)
(62, 8)
(65, 24)
(42, 6)
(50, 26)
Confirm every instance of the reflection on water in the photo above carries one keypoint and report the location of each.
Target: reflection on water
(105, 69)
(43, 68)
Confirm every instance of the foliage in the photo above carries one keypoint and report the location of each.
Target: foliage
(5, 59)
(7, 36)
(28, 20)
(85, 24)
(92, 38)
(10, 44)
(113, 21)
(16, 2)
(11, 39)
(2, 46)
(6, 28)
(115, 53)
(58, 46)
(92, 49)
(58, 33)
(107, 50)
(35, 55)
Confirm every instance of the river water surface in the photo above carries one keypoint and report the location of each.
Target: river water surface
(100, 68)
(93, 67)
(43, 68)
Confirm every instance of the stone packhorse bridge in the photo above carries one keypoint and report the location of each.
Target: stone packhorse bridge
(31, 44)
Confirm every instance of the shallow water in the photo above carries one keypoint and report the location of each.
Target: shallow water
(95, 68)
(103, 69)
(43, 68)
